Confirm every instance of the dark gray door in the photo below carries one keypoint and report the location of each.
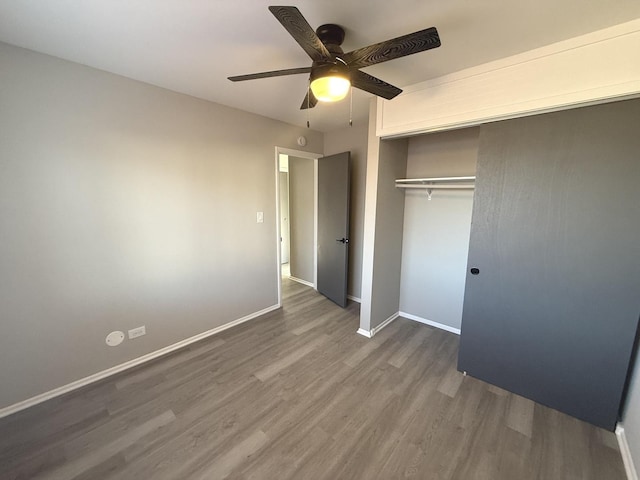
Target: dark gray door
(333, 226)
(552, 309)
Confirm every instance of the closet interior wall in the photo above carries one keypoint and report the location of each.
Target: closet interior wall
(436, 232)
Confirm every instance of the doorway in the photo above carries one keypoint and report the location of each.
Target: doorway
(297, 217)
(314, 206)
(285, 244)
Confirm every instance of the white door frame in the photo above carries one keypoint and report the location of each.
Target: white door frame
(310, 156)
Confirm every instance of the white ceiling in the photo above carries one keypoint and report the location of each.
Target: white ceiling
(191, 46)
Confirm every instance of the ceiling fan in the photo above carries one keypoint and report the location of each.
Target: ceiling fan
(333, 72)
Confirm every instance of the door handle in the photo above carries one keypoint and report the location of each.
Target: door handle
(342, 240)
(475, 271)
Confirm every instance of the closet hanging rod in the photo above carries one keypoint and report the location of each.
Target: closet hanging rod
(449, 186)
(434, 179)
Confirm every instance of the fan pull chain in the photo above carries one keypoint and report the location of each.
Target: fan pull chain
(351, 109)
(308, 99)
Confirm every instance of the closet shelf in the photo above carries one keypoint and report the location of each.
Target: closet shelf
(433, 183)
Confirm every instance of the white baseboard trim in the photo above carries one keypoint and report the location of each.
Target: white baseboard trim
(364, 333)
(441, 326)
(385, 323)
(56, 392)
(627, 459)
(374, 330)
(355, 299)
(303, 282)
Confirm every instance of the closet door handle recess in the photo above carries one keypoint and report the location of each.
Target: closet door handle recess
(475, 271)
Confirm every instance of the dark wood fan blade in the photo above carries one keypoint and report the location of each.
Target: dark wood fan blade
(374, 85)
(274, 73)
(293, 21)
(394, 48)
(309, 101)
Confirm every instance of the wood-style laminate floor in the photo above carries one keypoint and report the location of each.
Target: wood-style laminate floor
(298, 394)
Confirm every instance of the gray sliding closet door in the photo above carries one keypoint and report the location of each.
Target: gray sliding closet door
(552, 313)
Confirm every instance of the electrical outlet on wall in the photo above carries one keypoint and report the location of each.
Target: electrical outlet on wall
(260, 217)
(137, 332)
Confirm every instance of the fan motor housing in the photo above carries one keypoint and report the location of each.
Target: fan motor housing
(332, 36)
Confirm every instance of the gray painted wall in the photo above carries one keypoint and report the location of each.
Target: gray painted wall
(382, 232)
(354, 140)
(301, 216)
(631, 416)
(436, 231)
(122, 205)
(385, 299)
(369, 225)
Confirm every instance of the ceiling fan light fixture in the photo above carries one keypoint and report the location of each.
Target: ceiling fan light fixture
(330, 83)
(330, 89)
(334, 72)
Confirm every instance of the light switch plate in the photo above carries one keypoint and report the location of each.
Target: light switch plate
(260, 217)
